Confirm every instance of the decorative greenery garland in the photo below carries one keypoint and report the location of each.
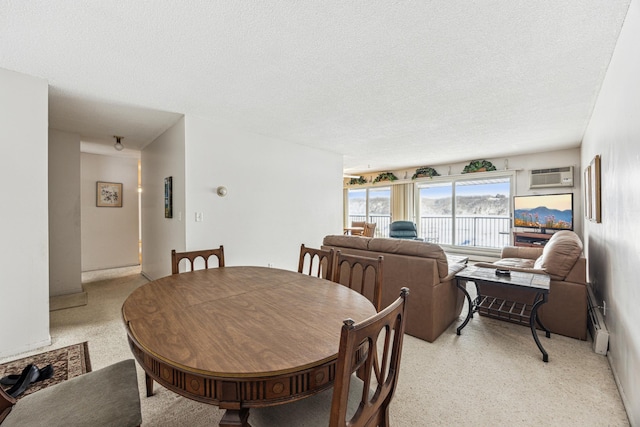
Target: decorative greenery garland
(425, 172)
(360, 180)
(479, 166)
(385, 176)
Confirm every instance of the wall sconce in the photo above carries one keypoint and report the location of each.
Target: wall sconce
(221, 191)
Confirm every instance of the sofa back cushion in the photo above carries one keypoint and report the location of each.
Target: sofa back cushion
(412, 248)
(560, 254)
(355, 242)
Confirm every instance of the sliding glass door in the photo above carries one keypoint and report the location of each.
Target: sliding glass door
(371, 205)
(465, 212)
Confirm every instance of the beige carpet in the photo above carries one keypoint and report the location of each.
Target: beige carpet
(492, 374)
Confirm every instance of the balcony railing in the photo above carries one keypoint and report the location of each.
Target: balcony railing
(471, 231)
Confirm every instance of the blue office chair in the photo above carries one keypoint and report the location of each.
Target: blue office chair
(403, 230)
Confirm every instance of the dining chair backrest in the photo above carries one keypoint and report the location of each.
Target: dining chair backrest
(191, 257)
(319, 262)
(369, 229)
(378, 367)
(362, 274)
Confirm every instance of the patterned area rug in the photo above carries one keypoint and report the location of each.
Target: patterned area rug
(68, 362)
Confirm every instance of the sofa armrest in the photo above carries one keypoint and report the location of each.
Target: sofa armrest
(521, 252)
(454, 269)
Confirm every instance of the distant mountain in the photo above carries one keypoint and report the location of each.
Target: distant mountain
(487, 205)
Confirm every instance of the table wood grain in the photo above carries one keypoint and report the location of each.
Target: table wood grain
(240, 337)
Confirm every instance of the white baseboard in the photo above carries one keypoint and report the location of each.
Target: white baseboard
(596, 325)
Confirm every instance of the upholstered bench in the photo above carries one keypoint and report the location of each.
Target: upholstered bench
(106, 397)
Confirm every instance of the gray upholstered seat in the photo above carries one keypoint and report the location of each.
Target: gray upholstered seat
(106, 397)
(403, 230)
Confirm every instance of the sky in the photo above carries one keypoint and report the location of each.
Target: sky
(561, 202)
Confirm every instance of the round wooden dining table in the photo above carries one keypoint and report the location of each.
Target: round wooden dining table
(240, 337)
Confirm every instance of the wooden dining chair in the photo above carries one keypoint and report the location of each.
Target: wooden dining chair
(191, 256)
(369, 229)
(319, 262)
(361, 401)
(362, 274)
(383, 332)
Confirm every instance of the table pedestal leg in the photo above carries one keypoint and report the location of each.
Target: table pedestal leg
(532, 323)
(235, 418)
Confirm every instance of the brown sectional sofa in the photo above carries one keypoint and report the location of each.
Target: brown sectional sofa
(561, 258)
(424, 268)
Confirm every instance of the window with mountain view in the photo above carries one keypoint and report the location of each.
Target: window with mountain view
(466, 212)
(436, 212)
(371, 205)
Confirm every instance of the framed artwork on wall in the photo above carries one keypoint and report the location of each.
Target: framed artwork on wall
(108, 194)
(586, 184)
(595, 188)
(168, 197)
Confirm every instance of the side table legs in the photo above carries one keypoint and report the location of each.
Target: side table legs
(532, 323)
(461, 284)
(540, 299)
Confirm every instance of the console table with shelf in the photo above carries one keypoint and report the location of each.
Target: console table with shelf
(511, 311)
(530, 239)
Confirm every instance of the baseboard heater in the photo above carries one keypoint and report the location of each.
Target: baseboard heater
(595, 323)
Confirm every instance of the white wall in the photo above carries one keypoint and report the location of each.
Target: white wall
(24, 254)
(279, 195)
(613, 246)
(65, 274)
(109, 234)
(162, 158)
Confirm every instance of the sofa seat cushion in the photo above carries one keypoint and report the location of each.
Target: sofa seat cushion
(354, 242)
(560, 254)
(412, 248)
(514, 263)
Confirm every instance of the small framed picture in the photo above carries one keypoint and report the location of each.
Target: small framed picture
(108, 194)
(594, 187)
(587, 192)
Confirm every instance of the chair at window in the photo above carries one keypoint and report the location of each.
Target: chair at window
(369, 229)
(319, 262)
(357, 224)
(191, 257)
(403, 230)
(362, 274)
(353, 402)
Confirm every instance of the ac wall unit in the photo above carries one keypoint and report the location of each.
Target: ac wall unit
(553, 177)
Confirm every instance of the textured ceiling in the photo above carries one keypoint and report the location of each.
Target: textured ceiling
(388, 84)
